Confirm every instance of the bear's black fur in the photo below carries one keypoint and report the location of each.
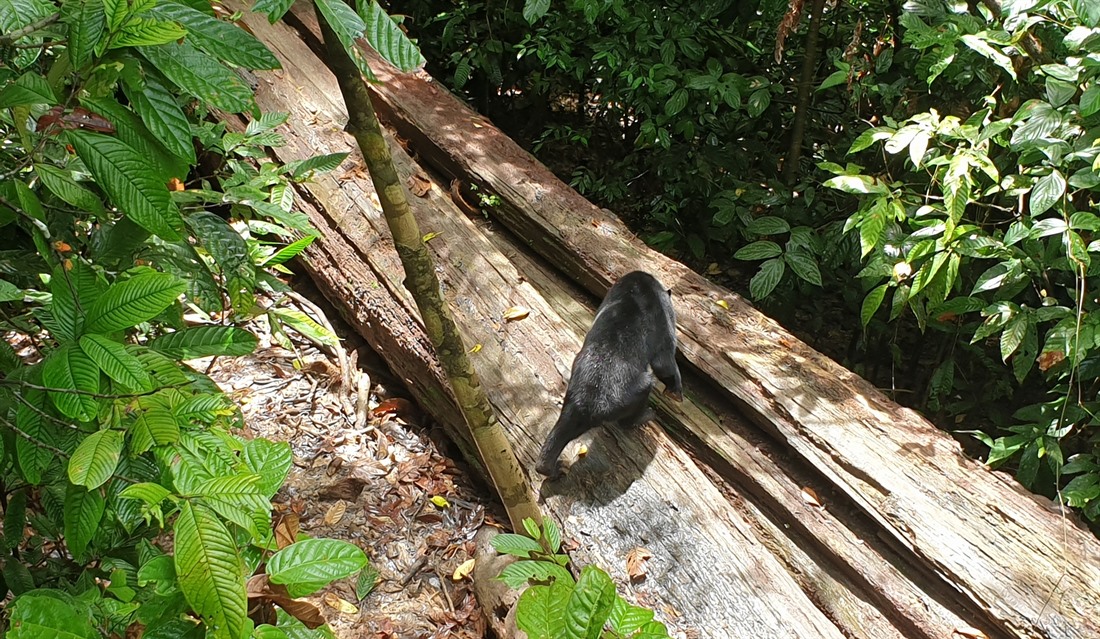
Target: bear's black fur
(634, 329)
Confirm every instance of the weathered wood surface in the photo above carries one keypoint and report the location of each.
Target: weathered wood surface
(710, 571)
(1034, 570)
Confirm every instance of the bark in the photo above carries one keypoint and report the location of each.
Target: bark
(493, 447)
(805, 90)
(1030, 568)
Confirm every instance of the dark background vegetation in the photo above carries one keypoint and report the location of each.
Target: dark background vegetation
(932, 230)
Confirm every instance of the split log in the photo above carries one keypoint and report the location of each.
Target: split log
(709, 569)
(1032, 569)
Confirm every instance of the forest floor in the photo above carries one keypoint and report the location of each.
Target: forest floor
(374, 475)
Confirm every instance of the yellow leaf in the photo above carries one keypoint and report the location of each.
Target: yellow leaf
(441, 501)
(476, 348)
(582, 450)
(431, 236)
(464, 569)
(724, 304)
(336, 513)
(332, 600)
(516, 313)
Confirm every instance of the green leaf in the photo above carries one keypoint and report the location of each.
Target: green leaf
(61, 184)
(96, 458)
(74, 291)
(315, 561)
(116, 11)
(225, 245)
(140, 32)
(978, 44)
(205, 341)
(760, 250)
(626, 618)
(130, 302)
(87, 25)
(42, 614)
(290, 251)
(1048, 190)
(305, 325)
(871, 304)
(872, 226)
(210, 571)
(767, 278)
(223, 40)
(590, 604)
(304, 169)
(388, 39)
(365, 583)
(804, 266)
(271, 461)
(759, 101)
(348, 27)
(148, 492)
(29, 89)
(1087, 12)
(75, 378)
(1090, 100)
(238, 499)
(516, 545)
(10, 293)
(857, 184)
(517, 574)
(124, 175)
(200, 75)
(676, 102)
(768, 225)
(163, 116)
(83, 512)
(541, 610)
(835, 78)
(1013, 335)
(153, 426)
(535, 9)
(32, 458)
(113, 359)
(275, 9)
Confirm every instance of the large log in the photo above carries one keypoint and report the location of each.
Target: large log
(1032, 569)
(710, 571)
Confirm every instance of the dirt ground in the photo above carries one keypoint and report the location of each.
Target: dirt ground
(368, 470)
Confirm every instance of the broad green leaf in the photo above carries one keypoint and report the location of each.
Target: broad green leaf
(28, 89)
(768, 225)
(83, 512)
(535, 9)
(116, 11)
(541, 610)
(113, 359)
(1048, 190)
(1059, 92)
(304, 169)
(200, 75)
(626, 618)
(759, 101)
(305, 325)
(96, 458)
(857, 184)
(589, 604)
(1013, 335)
(87, 25)
(140, 32)
(871, 228)
(75, 378)
(163, 116)
(153, 426)
(871, 304)
(517, 574)
(980, 45)
(15, 520)
(517, 545)
(147, 492)
(290, 251)
(275, 9)
(388, 39)
(804, 266)
(124, 175)
(1090, 100)
(225, 245)
(210, 571)
(42, 614)
(1087, 12)
(315, 561)
(676, 102)
(759, 250)
(956, 197)
(767, 278)
(238, 499)
(33, 458)
(129, 128)
(835, 78)
(61, 184)
(130, 302)
(74, 291)
(10, 293)
(221, 39)
(164, 370)
(348, 27)
(271, 461)
(204, 341)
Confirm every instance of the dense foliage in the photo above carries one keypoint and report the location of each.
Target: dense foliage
(128, 504)
(937, 232)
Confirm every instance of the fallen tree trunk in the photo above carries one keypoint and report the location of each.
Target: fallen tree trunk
(1031, 569)
(709, 570)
